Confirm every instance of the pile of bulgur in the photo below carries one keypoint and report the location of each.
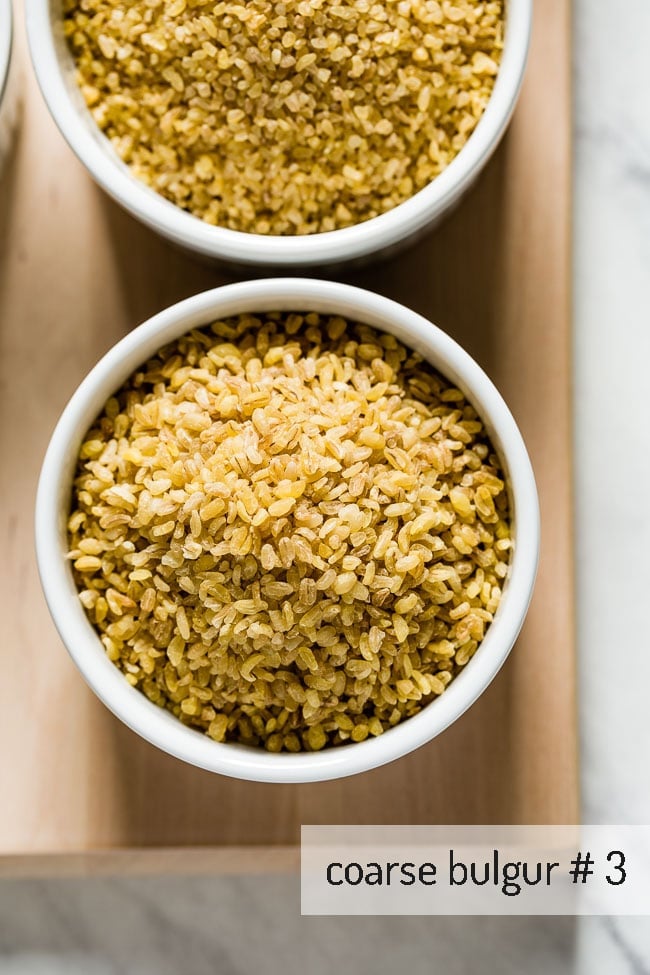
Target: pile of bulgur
(289, 117)
(289, 530)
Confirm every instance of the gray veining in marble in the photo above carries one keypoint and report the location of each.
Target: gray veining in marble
(238, 925)
(612, 398)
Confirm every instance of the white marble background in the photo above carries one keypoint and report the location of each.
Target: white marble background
(239, 925)
(612, 404)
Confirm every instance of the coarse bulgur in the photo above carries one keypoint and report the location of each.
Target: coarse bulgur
(289, 530)
(287, 117)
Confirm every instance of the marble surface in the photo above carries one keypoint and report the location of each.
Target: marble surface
(612, 408)
(237, 926)
(204, 925)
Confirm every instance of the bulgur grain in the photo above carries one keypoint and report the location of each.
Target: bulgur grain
(336, 614)
(286, 116)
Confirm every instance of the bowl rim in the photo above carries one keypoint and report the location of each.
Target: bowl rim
(160, 727)
(328, 248)
(6, 42)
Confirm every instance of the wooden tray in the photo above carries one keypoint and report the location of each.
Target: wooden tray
(75, 274)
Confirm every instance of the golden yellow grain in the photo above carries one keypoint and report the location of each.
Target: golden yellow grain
(297, 574)
(286, 116)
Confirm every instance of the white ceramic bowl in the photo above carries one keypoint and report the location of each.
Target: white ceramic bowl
(53, 64)
(7, 97)
(159, 726)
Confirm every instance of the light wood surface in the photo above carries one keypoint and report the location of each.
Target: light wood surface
(75, 274)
